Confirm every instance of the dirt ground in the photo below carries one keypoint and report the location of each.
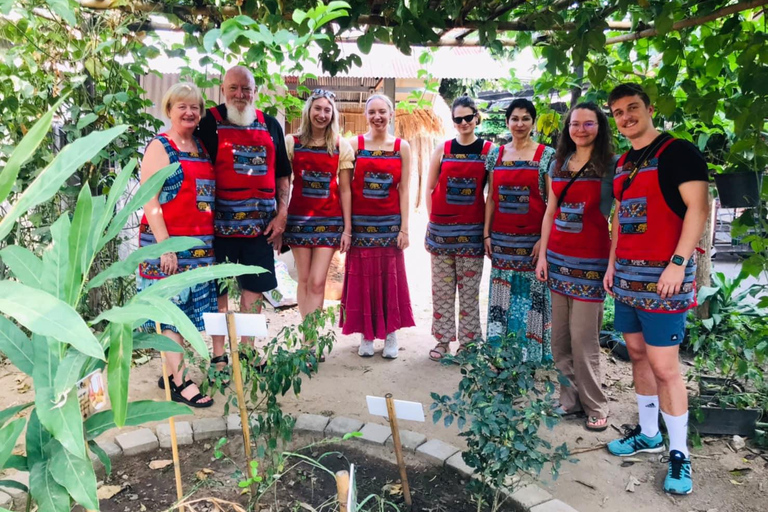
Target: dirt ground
(596, 482)
(433, 488)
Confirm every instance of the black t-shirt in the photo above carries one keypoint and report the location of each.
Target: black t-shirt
(679, 163)
(208, 135)
(472, 149)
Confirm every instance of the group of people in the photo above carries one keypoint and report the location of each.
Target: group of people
(541, 215)
(556, 252)
(232, 190)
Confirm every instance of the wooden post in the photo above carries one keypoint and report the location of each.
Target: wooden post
(238, 378)
(172, 426)
(342, 488)
(398, 448)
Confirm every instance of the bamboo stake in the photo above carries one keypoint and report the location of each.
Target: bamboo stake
(172, 426)
(238, 377)
(342, 488)
(398, 448)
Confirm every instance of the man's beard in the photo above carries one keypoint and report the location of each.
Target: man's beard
(244, 118)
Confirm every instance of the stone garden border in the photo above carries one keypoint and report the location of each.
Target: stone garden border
(437, 452)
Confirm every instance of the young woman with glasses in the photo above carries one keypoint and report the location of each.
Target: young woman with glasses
(575, 246)
(519, 305)
(375, 301)
(456, 207)
(320, 211)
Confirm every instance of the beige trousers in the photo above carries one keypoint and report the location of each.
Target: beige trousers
(576, 351)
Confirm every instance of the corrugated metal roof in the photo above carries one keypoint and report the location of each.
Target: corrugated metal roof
(386, 61)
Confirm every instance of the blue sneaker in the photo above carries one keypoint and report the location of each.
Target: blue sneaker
(634, 441)
(678, 479)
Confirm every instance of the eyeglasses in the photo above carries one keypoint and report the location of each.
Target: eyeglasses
(322, 93)
(588, 125)
(468, 118)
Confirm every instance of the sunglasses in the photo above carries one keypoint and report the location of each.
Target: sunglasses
(322, 93)
(468, 119)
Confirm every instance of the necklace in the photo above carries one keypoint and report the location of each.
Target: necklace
(511, 151)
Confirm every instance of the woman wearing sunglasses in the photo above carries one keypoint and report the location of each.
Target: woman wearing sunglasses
(575, 246)
(519, 305)
(375, 301)
(456, 207)
(320, 211)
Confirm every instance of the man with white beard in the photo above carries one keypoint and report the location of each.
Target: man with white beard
(252, 170)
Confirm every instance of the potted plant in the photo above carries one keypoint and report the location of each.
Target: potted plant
(730, 350)
(739, 180)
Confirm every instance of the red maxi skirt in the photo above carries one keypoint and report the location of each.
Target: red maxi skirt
(375, 300)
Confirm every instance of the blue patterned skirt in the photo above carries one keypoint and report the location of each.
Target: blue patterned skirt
(194, 301)
(520, 312)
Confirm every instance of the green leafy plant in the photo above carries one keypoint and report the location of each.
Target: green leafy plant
(46, 333)
(499, 409)
(732, 312)
(731, 344)
(270, 371)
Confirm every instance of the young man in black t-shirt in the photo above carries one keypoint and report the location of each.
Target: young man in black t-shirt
(661, 190)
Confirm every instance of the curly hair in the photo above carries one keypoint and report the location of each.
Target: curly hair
(602, 149)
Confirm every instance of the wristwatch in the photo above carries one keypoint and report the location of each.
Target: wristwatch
(678, 260)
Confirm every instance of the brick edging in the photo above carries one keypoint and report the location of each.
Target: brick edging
(142, 440)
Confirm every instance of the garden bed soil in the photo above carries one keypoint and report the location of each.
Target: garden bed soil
(433, 488)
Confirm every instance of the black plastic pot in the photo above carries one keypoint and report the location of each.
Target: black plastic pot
(725, 421)
(711, 386)
(613, 341)
(738, 189)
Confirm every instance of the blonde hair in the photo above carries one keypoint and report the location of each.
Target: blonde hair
(182, 91)
(382, 97)
(331, 131)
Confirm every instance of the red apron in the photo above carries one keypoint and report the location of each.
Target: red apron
(458, 206)
(376, 196)
(648, 234)
(518, 212)
(187, 199)
(314, 214)
(245, 177)
(579, 244)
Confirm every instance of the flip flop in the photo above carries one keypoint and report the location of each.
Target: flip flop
(596, 424)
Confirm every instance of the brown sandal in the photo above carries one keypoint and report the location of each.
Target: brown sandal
(437, 353)
(596, 424)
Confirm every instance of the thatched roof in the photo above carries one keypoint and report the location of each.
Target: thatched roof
(419, 122)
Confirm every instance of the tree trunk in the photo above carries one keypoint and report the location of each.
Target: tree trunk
(704, 261)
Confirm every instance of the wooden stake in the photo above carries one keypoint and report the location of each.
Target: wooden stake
(238, 378)
(172, 426)
(398, 448)
(342, 487)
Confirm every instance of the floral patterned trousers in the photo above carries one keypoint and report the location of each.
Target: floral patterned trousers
(450, 273)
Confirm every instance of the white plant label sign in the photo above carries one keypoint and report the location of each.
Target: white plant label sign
(246, 324)
(412, 411)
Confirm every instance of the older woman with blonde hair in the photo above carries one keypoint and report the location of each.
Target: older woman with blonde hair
(319, 214)
(183, 207)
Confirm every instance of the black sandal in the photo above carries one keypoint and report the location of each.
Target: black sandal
(176, 396)
(258, 367)
(223, 358)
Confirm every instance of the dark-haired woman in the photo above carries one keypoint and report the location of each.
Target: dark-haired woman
(575, 246)
(456, 207)
(519, 306)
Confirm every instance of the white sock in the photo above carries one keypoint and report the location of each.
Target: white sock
(648, 411)
(677, 429)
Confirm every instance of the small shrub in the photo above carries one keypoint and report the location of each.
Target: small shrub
(499, 409)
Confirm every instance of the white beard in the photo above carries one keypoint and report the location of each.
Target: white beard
(244, 118)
